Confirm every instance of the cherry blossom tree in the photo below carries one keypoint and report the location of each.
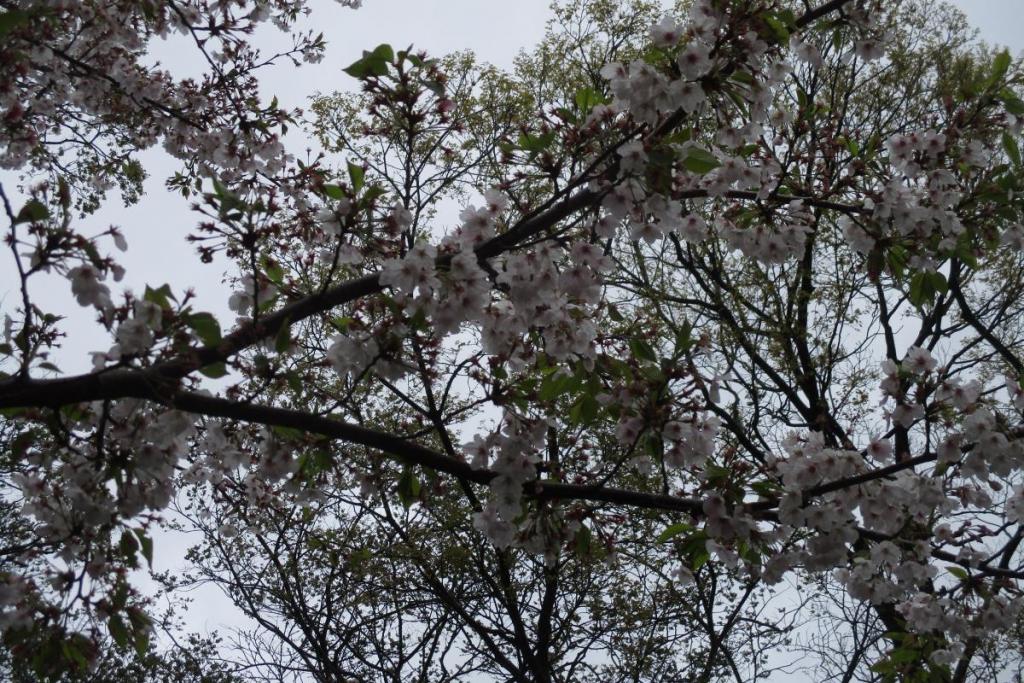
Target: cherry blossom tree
(731, 304)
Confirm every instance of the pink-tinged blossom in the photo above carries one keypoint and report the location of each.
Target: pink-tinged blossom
(694, 229)
(633, 157)
(614, 71)
(477, 226)
(398, 220)
(119, 241)
(933, 144)
(479, 450)
(487, 521)
(628, 430)
(666, 33)
(416, 273)
(905, 415)
(464, 297)
(694, 59)
(495, 200)
(648, 231)
(919, 361)
(856, 236)
(805, 51)
(974, 154)
(880, 450)
(134, 337)
(1016, 391)
(340, 254)
(331, 218)
(242, 300)
(686, 95)
(683, 575)
(959, 394)
(1015, 506)
(352, 355)
(88, 288)
(1013, 237)
(705, 16)
(869, 50)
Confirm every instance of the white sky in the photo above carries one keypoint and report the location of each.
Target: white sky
(155, 228)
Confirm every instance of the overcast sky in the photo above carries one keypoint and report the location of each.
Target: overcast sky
(155, 228)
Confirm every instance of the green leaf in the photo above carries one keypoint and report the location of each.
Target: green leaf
(146, 544)
(557, 384)
(699, 558)
(1012, 150)
(141, 642)
(674, 530)
(371, 194)
(71, 652)
(128, 547)
(288, 433)
(118, 630)
(536, 143)
(904, 655)
(32, 212)
(744, 77)
(341, 323)
(384, 51)
(373, 63)
(415, 60)
(965, 251)
(958, 572)
(408, 487)
(214, 370)
(700, 161)
(434, 86)
(717, 473)
(334, 192)
(584, 410)
(924, 286)
(140, 624)
(837, 40)
(787, 17)
(120, 597)
(684, 337)
(273, 270)
(1013, 104)
(642, 349)
(778, 28)
(11, 20)
(765, 488)
(206, 327)
(696, 543)
(583, 541)
(896, 258)
(162, 296)
(356, 173)
(283, 339)
(1000, 65)
(359, 557)
(653, 373)
(587, 98)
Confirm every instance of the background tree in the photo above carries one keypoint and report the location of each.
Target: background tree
(632, 389)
